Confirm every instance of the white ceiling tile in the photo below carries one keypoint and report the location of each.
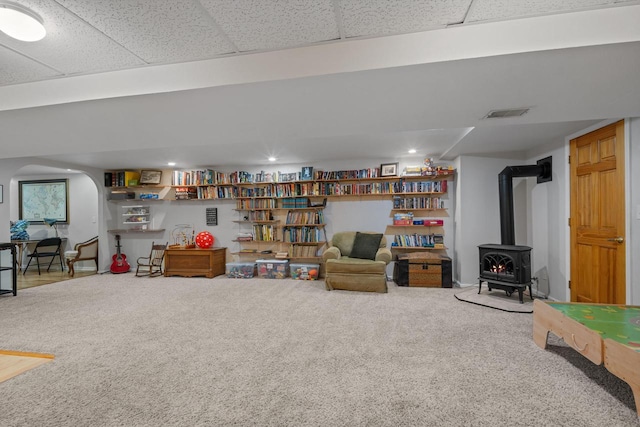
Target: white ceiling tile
(15, 68)
(257, 24)
(501, 9)
(383, 17)
(158, 31)
(71, 46)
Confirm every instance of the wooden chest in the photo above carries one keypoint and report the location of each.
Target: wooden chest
(195, 262)
(423, 269)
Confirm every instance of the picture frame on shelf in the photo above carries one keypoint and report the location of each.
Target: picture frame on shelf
(150, 177)
(389, 169)
(307, 173)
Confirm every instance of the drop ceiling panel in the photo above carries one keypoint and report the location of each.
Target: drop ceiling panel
(16, 68)
(501, 9)
(381, 17)
(257, 25)
(71, 46)
(157, 31)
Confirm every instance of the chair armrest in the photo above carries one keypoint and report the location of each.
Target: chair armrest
(331, 253)
(142, 258)
(87, 250)
(384, 254)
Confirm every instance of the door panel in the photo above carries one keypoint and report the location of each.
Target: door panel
(598, 216)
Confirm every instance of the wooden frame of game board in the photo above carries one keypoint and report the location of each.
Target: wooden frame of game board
(619, 359)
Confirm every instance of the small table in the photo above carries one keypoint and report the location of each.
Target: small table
(602, 333)
(195, 262)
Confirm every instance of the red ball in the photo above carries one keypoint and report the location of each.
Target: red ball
(204, 239)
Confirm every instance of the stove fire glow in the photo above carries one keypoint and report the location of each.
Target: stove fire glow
(498, 268)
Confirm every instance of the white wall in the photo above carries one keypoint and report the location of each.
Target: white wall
(547, 227)
(478, 213)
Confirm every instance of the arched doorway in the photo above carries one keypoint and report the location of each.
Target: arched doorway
(82, 223)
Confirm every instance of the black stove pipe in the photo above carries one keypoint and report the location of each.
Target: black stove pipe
(542, 170)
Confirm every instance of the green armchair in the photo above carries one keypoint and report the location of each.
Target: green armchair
(357, 261)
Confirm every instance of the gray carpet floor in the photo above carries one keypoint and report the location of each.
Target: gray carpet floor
(232, 352)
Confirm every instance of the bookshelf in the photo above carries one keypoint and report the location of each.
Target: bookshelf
(270, 205)
(418, 214)
(304, 231)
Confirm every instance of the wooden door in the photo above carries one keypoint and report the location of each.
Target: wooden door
(598, 216)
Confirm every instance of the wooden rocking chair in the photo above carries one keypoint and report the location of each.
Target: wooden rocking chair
(152, 265)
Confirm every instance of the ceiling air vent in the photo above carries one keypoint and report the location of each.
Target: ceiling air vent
(501, 114)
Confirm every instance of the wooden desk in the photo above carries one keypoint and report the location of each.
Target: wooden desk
(602, 333)
(195, 262)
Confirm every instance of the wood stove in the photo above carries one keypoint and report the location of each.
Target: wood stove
(506, 267)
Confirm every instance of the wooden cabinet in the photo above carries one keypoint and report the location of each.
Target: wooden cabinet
(195, 262)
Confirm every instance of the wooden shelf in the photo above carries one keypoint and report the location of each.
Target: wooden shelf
(258, 222)
(257, 241)
(126, 231)
(413, 226)
(415, 248)
(417, 209)
(306, 243)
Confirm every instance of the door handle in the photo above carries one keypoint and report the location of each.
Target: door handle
(616, 239)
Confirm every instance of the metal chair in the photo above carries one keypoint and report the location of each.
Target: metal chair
(46, 248)
(152, 265)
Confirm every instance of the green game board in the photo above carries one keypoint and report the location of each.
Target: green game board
(619, 323)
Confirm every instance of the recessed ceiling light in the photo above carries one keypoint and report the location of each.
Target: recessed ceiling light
(171, 163)
(21, 23)
(412, 151)
(272, 159)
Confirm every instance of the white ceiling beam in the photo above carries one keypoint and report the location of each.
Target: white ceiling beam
(587, 28)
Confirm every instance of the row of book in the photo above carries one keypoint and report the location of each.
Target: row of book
(302, 235)
(418, 240)
(294, 202)
(186, 193)
(121, 178)
(418, 203)
(250, 204)
(260, 216)
(212, 177)
(420, 187)
(300, 251)
(305, 217)
(264, 233)
(347, 174)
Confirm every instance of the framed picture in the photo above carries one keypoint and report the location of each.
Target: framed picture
(47, 198)
(150, 177)
(389, 169)
(307, 173)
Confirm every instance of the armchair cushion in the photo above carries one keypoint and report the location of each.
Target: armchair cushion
(365, 245)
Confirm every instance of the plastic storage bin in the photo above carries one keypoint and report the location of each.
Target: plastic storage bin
(240, 270)
(273, 268)
(305, 271)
